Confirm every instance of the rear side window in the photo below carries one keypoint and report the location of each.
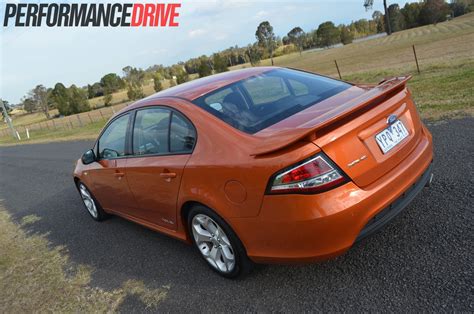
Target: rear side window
(112, 141)
(150, 132)
(182, 135)
(258, 102)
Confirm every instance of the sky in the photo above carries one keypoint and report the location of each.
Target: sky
(81, 56)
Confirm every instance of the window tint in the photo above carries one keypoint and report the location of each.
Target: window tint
(112, 142)
(182, 135)
(299, 88)
(258, 102)
(215, 100)
(265, 89)
(150, 132)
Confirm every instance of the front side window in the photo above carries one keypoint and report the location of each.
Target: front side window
(111, 144)
(150, 132)
(260, 101)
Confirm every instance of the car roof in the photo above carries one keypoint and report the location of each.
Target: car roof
(199, 87)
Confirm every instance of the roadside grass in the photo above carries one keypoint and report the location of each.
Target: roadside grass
(35, 277)
(86, 132)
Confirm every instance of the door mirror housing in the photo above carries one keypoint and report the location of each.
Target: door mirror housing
(88, 157)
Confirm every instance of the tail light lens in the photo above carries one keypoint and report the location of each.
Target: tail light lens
(315, 175)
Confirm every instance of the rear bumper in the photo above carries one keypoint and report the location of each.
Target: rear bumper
(391, 211)
(306, 228)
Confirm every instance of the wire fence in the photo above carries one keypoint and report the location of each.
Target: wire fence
(66, 123)
(327, 62)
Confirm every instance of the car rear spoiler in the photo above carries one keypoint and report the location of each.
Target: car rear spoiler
(373, 96)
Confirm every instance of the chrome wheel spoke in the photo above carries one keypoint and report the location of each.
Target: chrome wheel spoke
(215, 254)
(227, 253)
(200, 234)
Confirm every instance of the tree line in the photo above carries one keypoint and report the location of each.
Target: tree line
(73, 99)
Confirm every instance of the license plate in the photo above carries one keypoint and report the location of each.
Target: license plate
(391, 136)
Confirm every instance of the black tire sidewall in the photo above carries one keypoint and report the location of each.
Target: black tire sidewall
(243, 265)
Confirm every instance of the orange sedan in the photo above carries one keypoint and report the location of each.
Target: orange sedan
(261, 165)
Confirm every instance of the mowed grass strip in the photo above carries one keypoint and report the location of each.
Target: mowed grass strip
(37, 278)
(444, 90)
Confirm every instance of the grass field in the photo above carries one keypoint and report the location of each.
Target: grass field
(35, 277)
(444, 88)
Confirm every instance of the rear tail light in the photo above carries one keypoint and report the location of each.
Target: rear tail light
(318, 174)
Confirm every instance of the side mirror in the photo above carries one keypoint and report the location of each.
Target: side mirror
(88, 157)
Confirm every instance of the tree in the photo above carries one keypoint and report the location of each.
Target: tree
(461, 7)
(266, 37)
(220, 64)
(39, 95)
(60, 98)
(134, 80)
(397, 21)
(95, 90)
(135, 91)
(111, 83)
(254, 54)
(346, 35)
(368, 5)
(204, 68)
(296, 37)
(28, 104)
(433, 12)
(328, 34)
(77, 100)
(411, 14)
(378, 18)
(157, 82)
(107, 99)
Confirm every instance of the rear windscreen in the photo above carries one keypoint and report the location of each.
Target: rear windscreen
(256, 103)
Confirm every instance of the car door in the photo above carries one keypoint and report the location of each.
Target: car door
(108, 177)
(163, 140)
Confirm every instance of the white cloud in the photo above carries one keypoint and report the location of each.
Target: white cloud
(197, 32)
(260, 14)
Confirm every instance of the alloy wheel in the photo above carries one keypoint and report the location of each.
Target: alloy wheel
(213, 243)
(88, 201)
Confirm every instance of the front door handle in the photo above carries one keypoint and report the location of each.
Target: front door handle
(168, 175)
(119, 174)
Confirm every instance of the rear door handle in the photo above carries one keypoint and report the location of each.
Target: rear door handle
(168, 175)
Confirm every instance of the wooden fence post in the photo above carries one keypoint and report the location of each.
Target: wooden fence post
(80, 121)
(416, 60)
(338, 72)
(101, 114)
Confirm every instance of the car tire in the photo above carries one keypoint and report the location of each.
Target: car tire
(217, 243)
(90, 203)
